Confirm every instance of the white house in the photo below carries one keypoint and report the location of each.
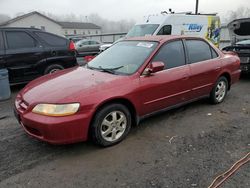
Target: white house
(79, 28)
(38, 20)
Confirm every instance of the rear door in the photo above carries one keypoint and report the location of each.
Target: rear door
(170, 86)
(204, 65)
(94, 46)
(23, 51)
(54, 45)
(2, 62)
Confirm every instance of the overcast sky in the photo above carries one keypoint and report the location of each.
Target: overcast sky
(118, 9)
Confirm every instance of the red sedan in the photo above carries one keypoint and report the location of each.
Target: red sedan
(134, 79)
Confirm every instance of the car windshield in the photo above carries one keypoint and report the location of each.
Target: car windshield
(124, 57)
(142, 30)
(243, 42)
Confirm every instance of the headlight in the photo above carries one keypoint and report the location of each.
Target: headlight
(56, 109)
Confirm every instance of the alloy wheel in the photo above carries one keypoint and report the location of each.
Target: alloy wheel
(113, 126)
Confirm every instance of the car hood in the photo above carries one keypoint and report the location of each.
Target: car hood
(69, 86)
(239, 29)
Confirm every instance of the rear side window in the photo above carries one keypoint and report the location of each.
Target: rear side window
(165, 30)
(51, 39)
(198, 51)
(93, 42)
(171, 54)
(214, 53)
(19, 39)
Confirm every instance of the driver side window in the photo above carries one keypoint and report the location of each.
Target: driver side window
(171, 54)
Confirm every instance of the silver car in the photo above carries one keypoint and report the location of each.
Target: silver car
(88, 46)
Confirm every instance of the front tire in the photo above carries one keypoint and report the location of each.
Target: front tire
(111, 125)
(219, 91)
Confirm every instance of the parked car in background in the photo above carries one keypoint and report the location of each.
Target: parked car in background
(240, 35)
(75, 39)
(28, 53)
(104, 47)
(134, 79)
(88, 47)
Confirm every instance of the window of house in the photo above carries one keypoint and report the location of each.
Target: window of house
(171, 54)
(19, 39)
(83, 32)
(198, 51)
(66, 32)
(89, 32)
(96, 31)
(75, 32)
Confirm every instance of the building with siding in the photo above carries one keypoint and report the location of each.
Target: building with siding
(38, 20)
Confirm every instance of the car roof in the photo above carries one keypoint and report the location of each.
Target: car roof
(161, 38)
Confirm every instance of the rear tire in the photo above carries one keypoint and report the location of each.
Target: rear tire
(219, 91)
(111, 125)
(53, 68)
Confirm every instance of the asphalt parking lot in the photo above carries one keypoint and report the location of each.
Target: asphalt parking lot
(185, 147)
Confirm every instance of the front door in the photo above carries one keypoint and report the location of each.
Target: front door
(170, 86)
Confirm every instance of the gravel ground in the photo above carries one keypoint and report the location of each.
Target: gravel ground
(185, 147)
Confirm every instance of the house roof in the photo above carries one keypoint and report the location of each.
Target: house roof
(26, 15)
(79, 25)
(69, 25)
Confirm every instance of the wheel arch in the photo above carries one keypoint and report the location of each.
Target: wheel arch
(124, 101)
(228, 77)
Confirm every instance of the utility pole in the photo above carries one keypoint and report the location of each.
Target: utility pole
(196, 6)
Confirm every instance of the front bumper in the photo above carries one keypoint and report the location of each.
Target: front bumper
(55, 130)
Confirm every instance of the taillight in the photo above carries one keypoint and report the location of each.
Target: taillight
(72, 46)
(88, 58)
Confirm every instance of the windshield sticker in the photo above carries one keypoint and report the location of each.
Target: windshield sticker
(145, 44)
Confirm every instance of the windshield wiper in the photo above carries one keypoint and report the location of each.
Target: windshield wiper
(108, 70)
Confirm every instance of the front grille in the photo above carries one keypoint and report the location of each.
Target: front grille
(21, 105)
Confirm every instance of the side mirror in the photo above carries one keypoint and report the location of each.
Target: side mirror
(154, 67)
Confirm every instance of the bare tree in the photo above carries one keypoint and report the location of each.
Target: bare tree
(4, 18)
(109, 26)
(241, 12)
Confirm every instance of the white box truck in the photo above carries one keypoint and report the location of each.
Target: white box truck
(202, 25)
(206, 25)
